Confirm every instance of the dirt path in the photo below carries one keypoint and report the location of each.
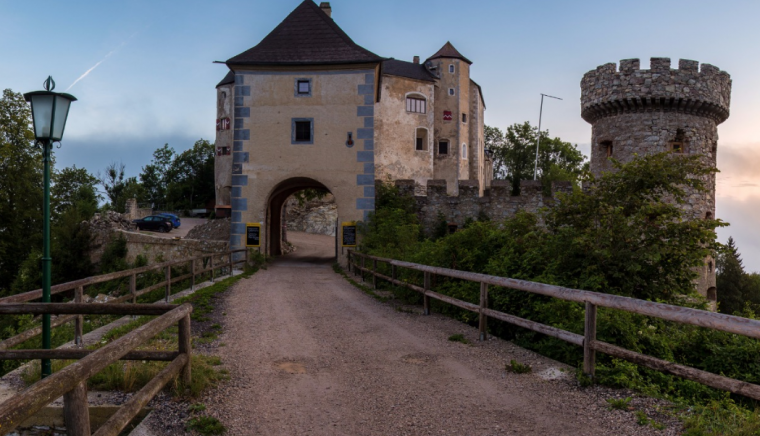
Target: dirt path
(310, 354)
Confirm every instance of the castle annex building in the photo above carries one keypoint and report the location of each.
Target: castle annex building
(309, 108)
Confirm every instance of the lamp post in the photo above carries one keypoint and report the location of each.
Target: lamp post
(49, 112)
(538, 140)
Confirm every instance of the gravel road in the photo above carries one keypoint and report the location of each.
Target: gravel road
(310, 354)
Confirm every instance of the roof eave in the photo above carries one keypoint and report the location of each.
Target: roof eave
(296, 64)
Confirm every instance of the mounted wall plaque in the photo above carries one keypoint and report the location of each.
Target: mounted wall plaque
(348, 233)
(253, 235)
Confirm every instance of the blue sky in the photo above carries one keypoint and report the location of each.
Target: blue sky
(155, 80)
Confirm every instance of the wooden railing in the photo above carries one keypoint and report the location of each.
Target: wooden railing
(212, 262)
(592, 300)
(71, 380)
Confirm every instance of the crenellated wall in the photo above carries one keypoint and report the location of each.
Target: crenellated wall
(497, 203)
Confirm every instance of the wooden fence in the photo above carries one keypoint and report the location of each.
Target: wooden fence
(592, 300)
(70, 382)
(209, 263)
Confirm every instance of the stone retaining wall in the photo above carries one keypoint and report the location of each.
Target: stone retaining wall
(497, 203)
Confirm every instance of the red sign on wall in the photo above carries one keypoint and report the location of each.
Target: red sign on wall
(222, 124)
(447, 116)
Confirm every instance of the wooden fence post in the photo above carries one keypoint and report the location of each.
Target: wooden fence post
(425, 298)
(192, 271)
(185, 347)
(79, 322)
(363, 269)
(168, 283)
(374, 274)
(393, 272)
(589, 355)
(133, 287)
(76, 411)
(348, 261)
(230, 264)
(483, 321)
(212, 267)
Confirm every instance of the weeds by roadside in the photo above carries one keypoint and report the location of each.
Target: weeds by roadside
(517, 367)
(459, 338)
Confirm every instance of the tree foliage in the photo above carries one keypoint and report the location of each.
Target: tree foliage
(515, 156)
(20, 187)
(190, 177)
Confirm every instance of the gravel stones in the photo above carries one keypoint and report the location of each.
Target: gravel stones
(213, 230)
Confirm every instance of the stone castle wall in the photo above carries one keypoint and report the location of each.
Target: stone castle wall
(497, 203)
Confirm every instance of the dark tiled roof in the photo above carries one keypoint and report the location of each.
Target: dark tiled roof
(448, 51)
(305, 37)
(411, 70)
(229, 78)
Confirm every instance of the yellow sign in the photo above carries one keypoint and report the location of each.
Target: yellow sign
(348, 233)
(253, 235)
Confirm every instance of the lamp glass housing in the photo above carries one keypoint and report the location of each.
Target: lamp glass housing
(49, 113)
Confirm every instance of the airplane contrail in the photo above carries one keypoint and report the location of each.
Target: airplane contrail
(101, 61)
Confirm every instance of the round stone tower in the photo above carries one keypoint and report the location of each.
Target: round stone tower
(634, 111)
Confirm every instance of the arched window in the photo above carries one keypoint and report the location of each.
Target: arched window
(712, 294)
(421, 139)
(464, 151)
(416, 103)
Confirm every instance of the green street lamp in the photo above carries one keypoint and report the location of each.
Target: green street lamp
(49, 112)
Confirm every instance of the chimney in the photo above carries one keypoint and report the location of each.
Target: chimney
(325, 6)
(416, 60)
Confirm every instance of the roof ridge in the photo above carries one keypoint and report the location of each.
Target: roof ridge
(307, 36)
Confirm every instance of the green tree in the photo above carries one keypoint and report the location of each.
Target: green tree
(515, 156)
(191, 177)
(732, 282)
(120, 189)
(154, 175)
(72, 186)
(20, 187)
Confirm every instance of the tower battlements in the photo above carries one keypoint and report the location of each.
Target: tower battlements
(692, 89)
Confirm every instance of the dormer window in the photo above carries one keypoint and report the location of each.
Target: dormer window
(303, 87)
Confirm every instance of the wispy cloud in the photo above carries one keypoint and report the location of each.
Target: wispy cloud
(86, 73)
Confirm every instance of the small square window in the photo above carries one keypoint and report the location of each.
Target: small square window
(443, 147)
(302, 131)
(451, 91)
(451, 68)
(303, 87)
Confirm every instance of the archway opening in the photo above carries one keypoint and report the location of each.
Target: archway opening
(304, 200)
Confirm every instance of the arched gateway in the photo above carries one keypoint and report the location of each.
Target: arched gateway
(277, 199)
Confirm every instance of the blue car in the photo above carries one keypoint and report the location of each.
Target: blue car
(173, 218)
